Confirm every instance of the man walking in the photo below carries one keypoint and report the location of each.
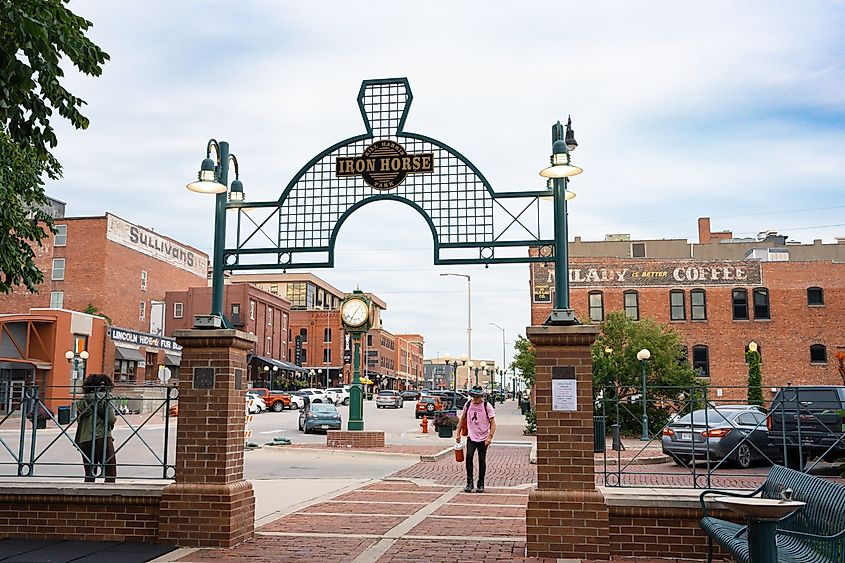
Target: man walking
(478, 422)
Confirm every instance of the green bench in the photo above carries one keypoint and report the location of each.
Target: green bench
(816, 533)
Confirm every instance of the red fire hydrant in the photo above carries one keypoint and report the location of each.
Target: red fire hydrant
(424, 425)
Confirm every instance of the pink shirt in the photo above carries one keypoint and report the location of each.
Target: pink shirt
(478, 423)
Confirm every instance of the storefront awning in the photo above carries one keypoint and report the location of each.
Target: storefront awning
(130, 354)
(281, 364)
(172, 360)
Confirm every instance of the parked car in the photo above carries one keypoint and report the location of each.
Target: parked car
(275, 401)
(427, 405)
(296, 401)
(447, 397)
(339, 394)
(389, 398)
(807, 420)
(736, 433)
(410, 395)
(254, 403)
(319, 416)
(316, 395)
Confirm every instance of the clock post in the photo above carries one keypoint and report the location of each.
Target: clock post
(356, 316)
(356, 393)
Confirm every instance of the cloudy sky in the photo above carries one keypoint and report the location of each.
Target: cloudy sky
(681, 110)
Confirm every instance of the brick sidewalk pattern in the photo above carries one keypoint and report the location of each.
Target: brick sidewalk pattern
(507, 466)
(465, 527)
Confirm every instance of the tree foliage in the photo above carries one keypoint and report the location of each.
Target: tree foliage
(36, 36)
(525, 359)
(755, 378)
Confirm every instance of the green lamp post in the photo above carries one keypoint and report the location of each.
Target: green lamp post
(643, 356)
(213, 178)
(559, 173)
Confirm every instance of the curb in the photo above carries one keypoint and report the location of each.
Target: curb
(439, 455)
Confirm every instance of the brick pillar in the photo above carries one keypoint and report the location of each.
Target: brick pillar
(567, 517)
(210, 504)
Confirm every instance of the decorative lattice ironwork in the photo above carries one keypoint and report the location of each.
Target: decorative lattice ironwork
(469, 222)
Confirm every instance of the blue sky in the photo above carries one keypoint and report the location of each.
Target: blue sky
(733, 111)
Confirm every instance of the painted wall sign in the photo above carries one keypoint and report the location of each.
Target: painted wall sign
(384, 164)
(650, 273)
(156, 246)
(143, 339)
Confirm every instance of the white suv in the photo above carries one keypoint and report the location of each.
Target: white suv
(341, 394)
(317, 396)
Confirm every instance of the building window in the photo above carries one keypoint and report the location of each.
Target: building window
(58, 269)
(698, 305)
(269, 316)
(268, 347)
(303, 335)
(638, 250)
(236, 312)
(760, 295)
(142, 312)
(143, 280)
(124, 371)
(818, 354)
(57, 299)
(596, 304)
(327, 335)
(701, 360)
(327, 355)
(303, 355)
(252, 310)
(815, 296)
(369, 340)
(677, 307)
(60, 238)
(740, 304)
(178, 310)
(632, 305)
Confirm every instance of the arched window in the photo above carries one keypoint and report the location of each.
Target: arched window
(761, 303)
(818, 354)
(596, 306)
(815, 296)
(631, 301)
(701, 360)
(740, 304)
(677, 307)
(698, 305)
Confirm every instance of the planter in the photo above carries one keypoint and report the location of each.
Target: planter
(445, 431)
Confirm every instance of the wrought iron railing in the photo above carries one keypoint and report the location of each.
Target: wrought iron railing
(677, 442)
(38, 428)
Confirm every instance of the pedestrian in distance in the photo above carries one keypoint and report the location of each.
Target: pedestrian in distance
(94, 424)
(478, 424)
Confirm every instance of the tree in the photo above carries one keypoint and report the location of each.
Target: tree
(670, 383)
(35, 37)
(94, 310)
(525, 359)
(755, 378)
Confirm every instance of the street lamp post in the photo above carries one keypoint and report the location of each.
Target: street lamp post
(559, 173)
(643, 356)
(503, 343)
(492, 388)
(447, 358)
(73, 359)
(213, 178)
(469, 309)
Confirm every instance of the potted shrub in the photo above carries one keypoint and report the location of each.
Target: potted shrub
(445, 424)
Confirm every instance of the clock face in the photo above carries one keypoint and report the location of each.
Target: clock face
(355, 312)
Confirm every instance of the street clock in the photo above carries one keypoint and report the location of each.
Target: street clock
(356, 312)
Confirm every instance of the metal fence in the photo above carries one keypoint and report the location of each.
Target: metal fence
(38, 433)
(701, 437)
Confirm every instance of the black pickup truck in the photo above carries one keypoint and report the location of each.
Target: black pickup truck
(807, 422)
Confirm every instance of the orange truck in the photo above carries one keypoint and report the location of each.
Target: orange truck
(275, 400)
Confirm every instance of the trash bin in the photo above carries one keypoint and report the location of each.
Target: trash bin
(64, 415)
(599, 440)
(525, 406)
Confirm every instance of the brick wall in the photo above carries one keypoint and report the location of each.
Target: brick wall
(784, 339)
(364, 439)
(94, 512)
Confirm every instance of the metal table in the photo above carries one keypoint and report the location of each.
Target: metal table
(762, 515)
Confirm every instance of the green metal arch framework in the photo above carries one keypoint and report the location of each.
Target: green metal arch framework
(469, 222)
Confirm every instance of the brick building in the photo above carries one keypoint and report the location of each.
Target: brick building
(719, 294)
(318, 343)
(251, 310)
(111, 266)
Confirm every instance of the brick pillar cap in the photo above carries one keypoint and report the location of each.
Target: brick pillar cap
(540, 330)
(219, 337)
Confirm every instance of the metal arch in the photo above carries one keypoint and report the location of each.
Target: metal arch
(470, 223)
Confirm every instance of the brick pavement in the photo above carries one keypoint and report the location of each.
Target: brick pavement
(507, 466)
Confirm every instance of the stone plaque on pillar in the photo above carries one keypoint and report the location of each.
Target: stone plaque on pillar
(203, 378)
